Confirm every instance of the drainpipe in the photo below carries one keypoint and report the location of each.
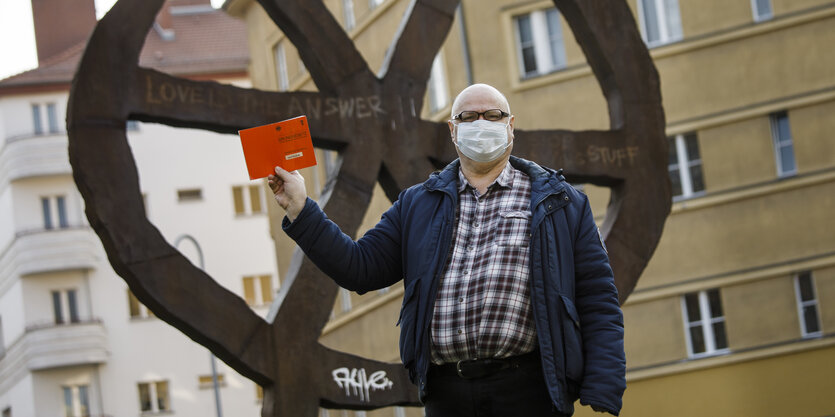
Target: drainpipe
(462, 26)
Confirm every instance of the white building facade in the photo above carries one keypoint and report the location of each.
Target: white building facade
(73, 341)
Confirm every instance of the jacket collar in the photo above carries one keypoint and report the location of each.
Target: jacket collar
(544, 181)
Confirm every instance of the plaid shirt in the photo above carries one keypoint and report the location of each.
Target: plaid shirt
(483, 307)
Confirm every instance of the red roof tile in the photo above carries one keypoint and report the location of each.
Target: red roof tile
(205, 42)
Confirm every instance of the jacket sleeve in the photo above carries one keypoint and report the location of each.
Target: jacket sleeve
(371, 263)
(601, 319)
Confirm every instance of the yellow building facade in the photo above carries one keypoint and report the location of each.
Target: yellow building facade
(735, 314)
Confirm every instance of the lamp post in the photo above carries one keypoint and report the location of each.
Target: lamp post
(212, 359)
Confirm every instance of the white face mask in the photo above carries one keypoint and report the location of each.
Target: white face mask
(482, 140)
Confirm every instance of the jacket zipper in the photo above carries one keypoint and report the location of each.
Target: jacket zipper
(434, 293)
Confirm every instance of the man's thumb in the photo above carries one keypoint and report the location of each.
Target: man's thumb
(283, 174)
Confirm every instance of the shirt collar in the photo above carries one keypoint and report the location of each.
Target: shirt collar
(504, 180)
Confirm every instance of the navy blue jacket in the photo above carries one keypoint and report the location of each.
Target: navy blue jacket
(579, 323)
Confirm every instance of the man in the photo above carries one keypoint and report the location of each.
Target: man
(509, 307)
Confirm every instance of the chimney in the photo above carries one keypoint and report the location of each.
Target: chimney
(163, 24)
(61, 24)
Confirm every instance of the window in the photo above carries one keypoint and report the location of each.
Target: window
(660, 21)
(132, 125)
(345, 297)
(76, 401)
(51, 118)
(348, 14)
(258, 290)
(37, 125)
(762, 10)
(206, 381)
(399, 412)
(153, 396)
(190, 194)
(248, 199)
(807, 304)
(2, 341)
(685, 165)
(54, 211)
(259, 393)
(705, 323)
(281, 68)
(437, 86)
(137, 309)
(65, 306)
(783, 145)
(539, 41)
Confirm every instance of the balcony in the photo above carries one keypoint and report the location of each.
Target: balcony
(33, 156)
(53, 346)
(39, 251)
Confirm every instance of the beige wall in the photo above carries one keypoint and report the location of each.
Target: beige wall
(662, 342)
(813, 132)
(797, 383)
(760, 313)
(825, 285)
(744, 233)
(750, 70)
(737, 154)
(723, 14)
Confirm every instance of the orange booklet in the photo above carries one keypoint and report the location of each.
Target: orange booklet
(286, 144)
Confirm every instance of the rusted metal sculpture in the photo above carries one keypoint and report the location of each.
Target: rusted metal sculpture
(374, 124)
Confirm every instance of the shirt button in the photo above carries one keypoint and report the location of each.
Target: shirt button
(476, 225)
(469, 248)
(460, 331)
(460, 299)
(466, 273)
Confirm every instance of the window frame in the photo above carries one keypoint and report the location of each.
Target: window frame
(706, 321)
(801, 304)
(350, 19)
(247, 200)
(154, 397)
(437, 88)
(664, 26)
(780, 143)
(65, 306)
(541, 41)
(282, 77)
(142, 311)
(79, 400)
(758, 15)
(684, 164)
(262, 295)
(54, 212)
(345, 300)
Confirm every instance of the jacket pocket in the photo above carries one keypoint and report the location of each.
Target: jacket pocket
(408, 314)
(572, 342)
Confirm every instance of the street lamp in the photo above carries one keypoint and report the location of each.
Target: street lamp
(212, 360)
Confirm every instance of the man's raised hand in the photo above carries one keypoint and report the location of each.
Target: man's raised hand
(289, 191)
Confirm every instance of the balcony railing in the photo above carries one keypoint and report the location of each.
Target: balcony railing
(39, 251)
(33, 156)
(49, 346)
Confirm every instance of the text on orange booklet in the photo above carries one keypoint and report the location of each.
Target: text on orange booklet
(286, 144)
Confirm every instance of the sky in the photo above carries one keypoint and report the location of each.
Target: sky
(17, 34)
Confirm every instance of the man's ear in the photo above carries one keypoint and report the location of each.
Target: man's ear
(451, 130)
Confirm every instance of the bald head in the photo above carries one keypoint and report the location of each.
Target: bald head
(480, 93)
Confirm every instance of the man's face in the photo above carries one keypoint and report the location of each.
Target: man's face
(480, 100)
